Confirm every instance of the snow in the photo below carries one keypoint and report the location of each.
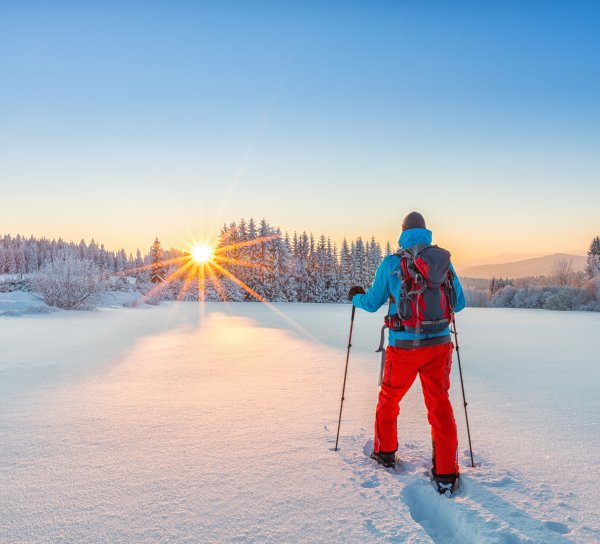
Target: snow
(216, 423)
(16, 303)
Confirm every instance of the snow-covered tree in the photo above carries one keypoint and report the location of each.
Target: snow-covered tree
(156, 259)
(69, 282)
(373, 259)
(359, 268)
(345, 277)
(301, 262)
(592, 267)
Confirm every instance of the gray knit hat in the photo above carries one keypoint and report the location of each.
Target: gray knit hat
(414, 220)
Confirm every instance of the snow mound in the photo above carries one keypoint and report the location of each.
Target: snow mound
(15, 303)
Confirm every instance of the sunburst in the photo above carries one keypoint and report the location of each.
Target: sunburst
(204, 263)
(202, 253)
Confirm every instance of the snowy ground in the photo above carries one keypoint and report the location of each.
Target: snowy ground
(17, 303)
(187, 425)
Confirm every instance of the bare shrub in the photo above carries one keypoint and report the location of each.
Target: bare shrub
(69, 281)
(562, 270)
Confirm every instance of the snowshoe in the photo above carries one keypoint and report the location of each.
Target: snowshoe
(387, 459)
(445, 484)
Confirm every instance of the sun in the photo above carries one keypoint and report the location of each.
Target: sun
(201, 253)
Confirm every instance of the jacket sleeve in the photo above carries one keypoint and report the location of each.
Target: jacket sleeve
(377, 295)
(460, 295)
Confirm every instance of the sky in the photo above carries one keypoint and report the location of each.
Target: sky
(127, 120)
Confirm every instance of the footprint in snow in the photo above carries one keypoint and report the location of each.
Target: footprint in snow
(557, 527)
(476, 515)
(371, 483)
(372, 529)
(500, 482)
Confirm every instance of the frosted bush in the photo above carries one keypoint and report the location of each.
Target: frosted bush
(547, 298)
(476, 298)
(566, 298)
(504, 297)
(68, 281)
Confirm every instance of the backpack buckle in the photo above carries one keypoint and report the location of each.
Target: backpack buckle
(393, 322)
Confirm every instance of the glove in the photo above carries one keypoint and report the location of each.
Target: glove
(355, 290)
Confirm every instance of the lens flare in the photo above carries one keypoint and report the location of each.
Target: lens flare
(201, 253)
(204, 266)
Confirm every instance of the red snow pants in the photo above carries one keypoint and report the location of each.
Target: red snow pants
(432, 364)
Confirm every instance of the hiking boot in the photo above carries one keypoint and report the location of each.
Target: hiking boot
(387, 459)
(445, 482)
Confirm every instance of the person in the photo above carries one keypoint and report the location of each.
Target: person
(414, 349)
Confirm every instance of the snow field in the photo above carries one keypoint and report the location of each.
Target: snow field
(185, 424)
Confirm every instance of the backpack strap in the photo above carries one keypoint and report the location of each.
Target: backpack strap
(411, 253)
(449, 289)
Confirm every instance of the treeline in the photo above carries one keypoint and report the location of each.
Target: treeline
(257, 261)
(564, 289)
(20, 255)
(252, 261)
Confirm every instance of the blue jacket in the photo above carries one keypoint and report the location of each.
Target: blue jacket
(387, 283)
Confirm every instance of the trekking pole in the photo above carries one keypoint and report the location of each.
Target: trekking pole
(462, 385)
(345, 374)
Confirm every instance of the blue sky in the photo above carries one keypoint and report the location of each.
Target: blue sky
(126, 120)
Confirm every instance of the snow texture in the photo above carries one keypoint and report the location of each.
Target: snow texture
(16, 303)
(183, 423)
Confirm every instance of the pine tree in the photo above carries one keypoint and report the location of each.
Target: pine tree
(105, 263)
(345, 276)
(3, 260)
(359, 264)
(332, 273)
(252, 254)
(263, 277)
(19, 255)
(83, 251)
(228, 250)
(317, 270)
(492, 288)
(93, 252)
(592, 267)
(120, 261)
(138, 265)
(301, 276)
(156, 258)
(373, 259)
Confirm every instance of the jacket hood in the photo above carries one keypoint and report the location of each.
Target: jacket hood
(412, 237)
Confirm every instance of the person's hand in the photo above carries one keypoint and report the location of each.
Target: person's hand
(355, 290)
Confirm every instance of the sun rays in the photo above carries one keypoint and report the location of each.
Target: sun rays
(212, 269)
(205, 266)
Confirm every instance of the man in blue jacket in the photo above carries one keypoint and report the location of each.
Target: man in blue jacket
(412, 352)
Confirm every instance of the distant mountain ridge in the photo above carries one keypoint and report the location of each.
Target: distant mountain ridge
(537, 266)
